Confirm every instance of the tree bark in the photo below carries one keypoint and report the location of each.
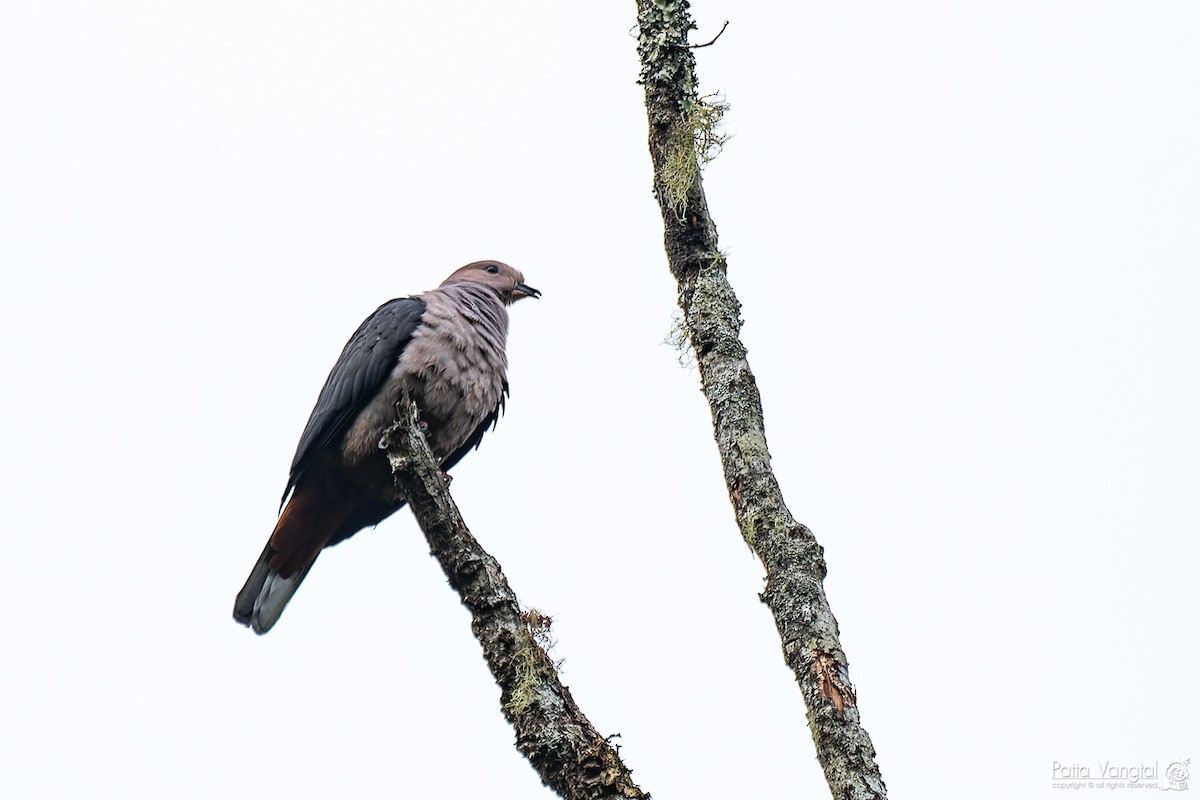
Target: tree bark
(571, 757)
(681, 135)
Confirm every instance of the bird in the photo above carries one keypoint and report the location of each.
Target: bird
(446, 348)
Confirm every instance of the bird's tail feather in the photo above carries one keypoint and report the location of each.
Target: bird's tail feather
(266, 593)
(306, 525)
(243, 606)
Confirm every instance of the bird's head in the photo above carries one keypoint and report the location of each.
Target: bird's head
(508, 282)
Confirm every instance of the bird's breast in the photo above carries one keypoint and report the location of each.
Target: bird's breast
(454, 367)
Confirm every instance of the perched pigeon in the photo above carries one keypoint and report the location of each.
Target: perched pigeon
(446, 347)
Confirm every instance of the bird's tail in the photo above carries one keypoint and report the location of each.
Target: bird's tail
(266, 593)
(311, 518)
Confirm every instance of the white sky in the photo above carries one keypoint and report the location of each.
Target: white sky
(966, 240)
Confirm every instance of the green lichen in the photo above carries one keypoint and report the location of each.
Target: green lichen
(532, 664)
(679, 339)
(694, 141)
(680, 167)
(667, 61)
(705, 117)
(691, 122)
(761, 526)
(748, 523)
(712, 264)
(752, 446)
(713, 311)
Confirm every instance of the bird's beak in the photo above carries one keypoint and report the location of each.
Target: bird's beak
(521, 290)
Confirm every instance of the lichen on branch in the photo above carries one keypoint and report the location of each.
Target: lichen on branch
(567, 752)
(694, 140)
(682, 134)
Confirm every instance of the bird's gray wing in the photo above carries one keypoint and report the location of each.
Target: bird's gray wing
(365, 363)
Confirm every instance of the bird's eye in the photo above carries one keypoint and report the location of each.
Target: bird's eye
(492, 268)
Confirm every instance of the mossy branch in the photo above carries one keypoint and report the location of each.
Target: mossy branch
(711, 320)
(694, 140)
(567, 752)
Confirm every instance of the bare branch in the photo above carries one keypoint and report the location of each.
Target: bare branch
(790, 553)
(713, 40)
(559, 741)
